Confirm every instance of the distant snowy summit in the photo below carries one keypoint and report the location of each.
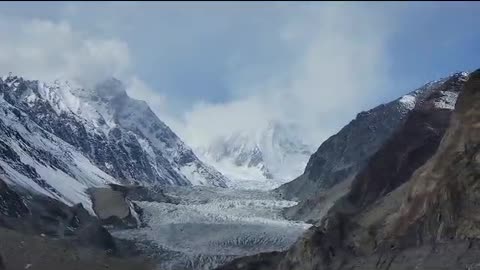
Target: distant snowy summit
(262, 159)
(59, 139)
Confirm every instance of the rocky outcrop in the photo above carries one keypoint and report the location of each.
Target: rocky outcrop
(442, 201)
(37, 225)
(34, 252)
(422, 217)
(407, 148)
(342, 155)
(34, 214)
(109, 203)
(53, 219)
(11, 204)
(112, 207)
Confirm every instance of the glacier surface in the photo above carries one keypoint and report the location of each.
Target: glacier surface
(211, 226)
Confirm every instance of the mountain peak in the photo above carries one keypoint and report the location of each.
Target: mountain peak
(110, 88)
(266, 156)
(75, 137)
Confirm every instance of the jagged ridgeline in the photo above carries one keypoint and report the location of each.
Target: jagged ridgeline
(413, 206)
(60, 139)
(363, 143)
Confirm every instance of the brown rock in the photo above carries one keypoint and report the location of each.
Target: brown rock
(391, 220)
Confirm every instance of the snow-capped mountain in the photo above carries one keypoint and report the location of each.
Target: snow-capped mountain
(262, 159)
(413, 204)
(59, 139)
(341, 158)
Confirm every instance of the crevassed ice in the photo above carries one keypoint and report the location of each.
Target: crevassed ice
(213, 226)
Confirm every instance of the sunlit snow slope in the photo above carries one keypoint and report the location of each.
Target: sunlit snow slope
(58, 139)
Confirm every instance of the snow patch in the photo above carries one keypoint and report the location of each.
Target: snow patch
(408, 101)
(447, 100)
(191, 173)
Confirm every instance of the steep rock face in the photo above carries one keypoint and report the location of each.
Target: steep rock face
(424, 217)
(11, 204)
(46, 234)
(113, 208)
(351, 227)
(37, 214)
(344, 154)
(37, 160)
(58, 140)
(37, 230)
(442, 201)
(409, 146)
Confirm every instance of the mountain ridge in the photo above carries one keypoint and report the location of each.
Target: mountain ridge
(423, 218)
(340, 158)
(268, 157)
(70, 138)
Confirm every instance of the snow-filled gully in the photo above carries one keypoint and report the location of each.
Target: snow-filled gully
(212, 226)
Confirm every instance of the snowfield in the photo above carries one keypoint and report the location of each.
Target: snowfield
(212, 226)
(264, 158)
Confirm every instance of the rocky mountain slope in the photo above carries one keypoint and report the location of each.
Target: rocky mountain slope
(342, 155)
(59, 139)
(21, 251)
(346, 155)
(263, 159)
(423, 218)
(38, 232)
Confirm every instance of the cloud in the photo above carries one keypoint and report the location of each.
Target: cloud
(313, 65)
(206, 122)
(139, 89)
(340, 65)
(48, 50)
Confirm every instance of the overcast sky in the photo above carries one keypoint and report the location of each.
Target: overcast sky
(244, 64)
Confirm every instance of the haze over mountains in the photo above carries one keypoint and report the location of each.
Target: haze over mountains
(239, 136)
(409, 204)
(263, 159)
(70, 155)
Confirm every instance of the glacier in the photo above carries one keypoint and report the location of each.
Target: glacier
(211, 226)
(59, 140)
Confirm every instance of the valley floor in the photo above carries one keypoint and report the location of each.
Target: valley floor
(211, 226)
(19, 251)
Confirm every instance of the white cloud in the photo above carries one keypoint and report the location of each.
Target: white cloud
(207, 121)
(138, 89)
(47, 50)
(341, 63)
(338, 64)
